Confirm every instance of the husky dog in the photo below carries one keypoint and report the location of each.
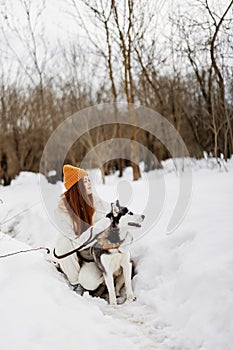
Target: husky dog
(111, 255)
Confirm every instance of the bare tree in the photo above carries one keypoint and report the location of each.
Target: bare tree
(205, 39)
(31, 56)
(124, 24)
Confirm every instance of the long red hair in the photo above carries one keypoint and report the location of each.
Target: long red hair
(80, 207)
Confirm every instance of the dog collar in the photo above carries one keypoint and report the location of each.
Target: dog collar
(107, 246)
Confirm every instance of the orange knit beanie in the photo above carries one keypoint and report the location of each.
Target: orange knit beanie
(72, 175)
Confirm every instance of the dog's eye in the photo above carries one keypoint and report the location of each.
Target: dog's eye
(130, 213)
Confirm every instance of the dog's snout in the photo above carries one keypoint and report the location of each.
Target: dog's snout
(143, 216)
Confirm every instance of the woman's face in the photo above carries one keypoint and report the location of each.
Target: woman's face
(87, 184)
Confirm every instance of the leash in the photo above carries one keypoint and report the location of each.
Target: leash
(105, 246)
(89, 240)
(25, 251)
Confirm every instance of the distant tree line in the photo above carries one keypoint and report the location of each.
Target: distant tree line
(185, 75)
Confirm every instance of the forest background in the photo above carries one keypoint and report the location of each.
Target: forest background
(59, 57)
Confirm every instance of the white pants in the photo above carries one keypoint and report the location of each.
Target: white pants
(89, 276)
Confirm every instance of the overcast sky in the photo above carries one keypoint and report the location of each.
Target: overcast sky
(57, 17)
(60, 28)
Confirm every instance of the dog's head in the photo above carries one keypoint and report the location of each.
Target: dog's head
(122, 217)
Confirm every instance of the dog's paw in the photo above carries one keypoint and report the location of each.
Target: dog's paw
(121, 300)
(131, 297)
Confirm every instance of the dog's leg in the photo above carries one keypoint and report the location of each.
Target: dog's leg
(119, 282)
(127, 271)
(111, 291)
(108, 277)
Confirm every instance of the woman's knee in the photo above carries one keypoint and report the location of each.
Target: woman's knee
(90, 277)
(63, 245)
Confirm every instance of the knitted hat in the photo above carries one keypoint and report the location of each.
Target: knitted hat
(72, 175)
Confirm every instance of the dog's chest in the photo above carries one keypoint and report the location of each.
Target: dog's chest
(112, 262)
(115, 261)
(110, 238)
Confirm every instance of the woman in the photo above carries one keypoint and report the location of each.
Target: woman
(75, 215)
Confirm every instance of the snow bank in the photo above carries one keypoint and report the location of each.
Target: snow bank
(39, 311)
(184, 281)
(187, 277)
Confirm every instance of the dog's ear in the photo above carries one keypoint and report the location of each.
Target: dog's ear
(117, 203)
(110, 214)
(115, 209)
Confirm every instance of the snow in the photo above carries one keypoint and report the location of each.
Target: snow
(184, 280)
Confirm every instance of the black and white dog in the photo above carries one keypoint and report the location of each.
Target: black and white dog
(110, 252)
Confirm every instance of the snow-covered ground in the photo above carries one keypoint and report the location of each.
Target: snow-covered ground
(184, 281)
